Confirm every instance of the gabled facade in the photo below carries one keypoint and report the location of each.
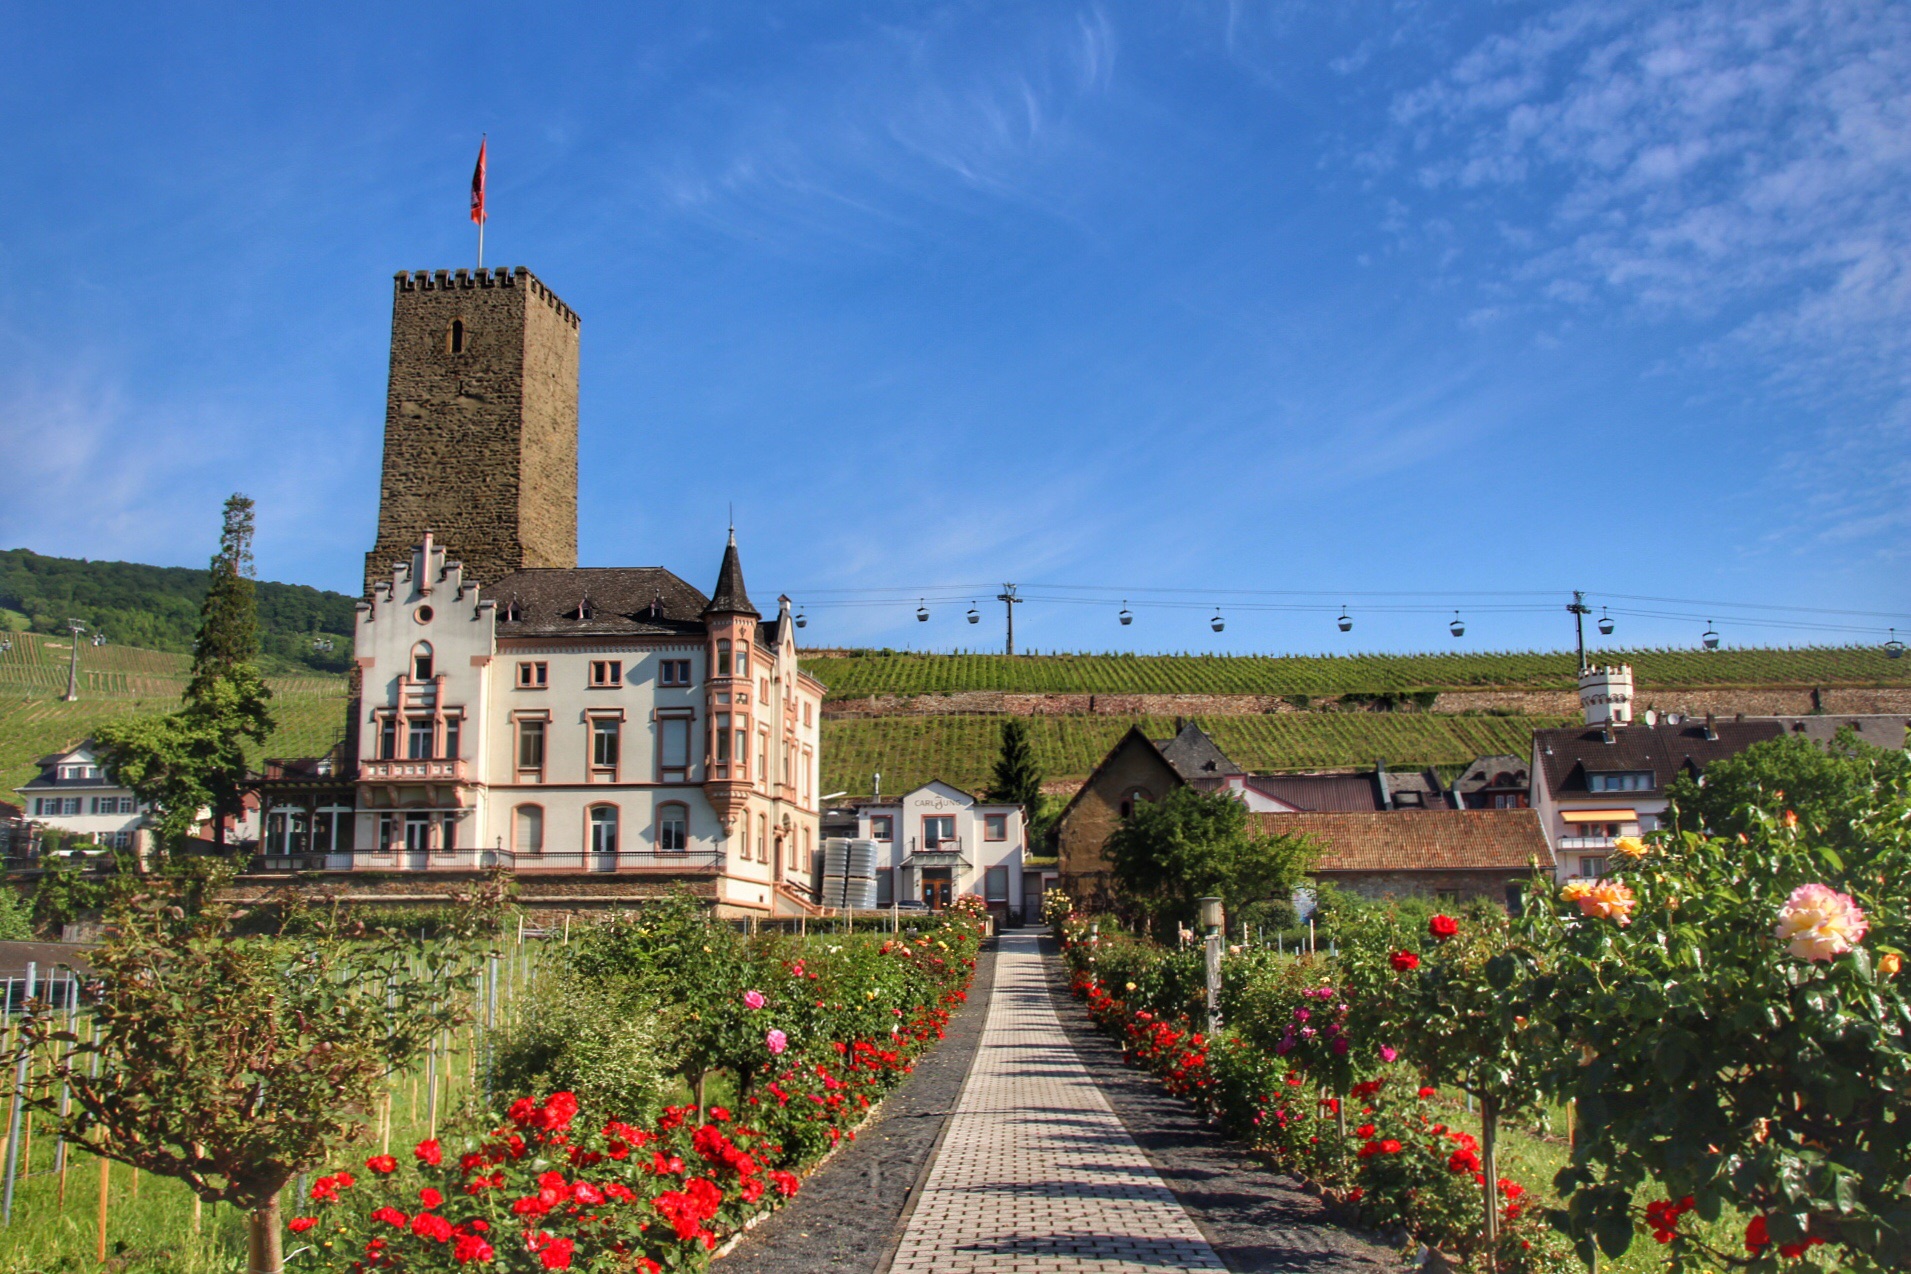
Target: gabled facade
(72, 794)
(937, 843)
(591, 722)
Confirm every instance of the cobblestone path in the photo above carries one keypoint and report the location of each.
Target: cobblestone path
(1036, 1174)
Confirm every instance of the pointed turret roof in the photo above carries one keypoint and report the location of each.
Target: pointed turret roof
(730, 597)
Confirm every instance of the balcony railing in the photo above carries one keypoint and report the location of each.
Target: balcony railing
(448, 769)
(1585, 842)
(627, 862)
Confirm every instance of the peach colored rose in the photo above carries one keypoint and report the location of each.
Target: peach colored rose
(1608, 900)
(1819, 923)
(1889, 964)
(1574, 890)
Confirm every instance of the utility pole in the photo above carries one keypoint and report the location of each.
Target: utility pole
(1579, 611)
(1009, 601)
(72, 694)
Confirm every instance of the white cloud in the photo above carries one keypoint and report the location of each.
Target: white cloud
(1739, 163)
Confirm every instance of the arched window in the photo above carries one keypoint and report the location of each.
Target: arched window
(723, 658)
(603, 829)
(421, 661)
(743, 659)
(528, 835)
(762, 839)
(673, 828)
(1132, 797)
(455, 340)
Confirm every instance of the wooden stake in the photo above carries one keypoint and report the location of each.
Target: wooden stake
(106, 1181)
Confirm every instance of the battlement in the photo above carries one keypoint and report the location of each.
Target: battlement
(467, 280)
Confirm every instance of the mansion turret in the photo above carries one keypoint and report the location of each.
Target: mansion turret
(604, 733)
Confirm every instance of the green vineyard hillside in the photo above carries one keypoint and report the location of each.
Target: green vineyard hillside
(861, 674)
(908, 751)
(118, 681)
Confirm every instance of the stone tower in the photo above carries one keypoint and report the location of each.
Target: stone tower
(480, 424)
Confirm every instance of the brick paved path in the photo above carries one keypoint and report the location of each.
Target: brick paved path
(1036, 1175)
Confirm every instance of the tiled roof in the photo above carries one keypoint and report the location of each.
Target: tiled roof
(1433, 840)
(1319, 791)
(1567, 755)
(1193, 755)
(622, 601)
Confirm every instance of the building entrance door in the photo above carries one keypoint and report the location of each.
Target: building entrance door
(935, 888)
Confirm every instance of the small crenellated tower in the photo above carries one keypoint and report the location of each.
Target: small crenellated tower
(730, 691)
(1605, 695)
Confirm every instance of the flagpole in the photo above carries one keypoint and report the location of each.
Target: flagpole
(481, 245)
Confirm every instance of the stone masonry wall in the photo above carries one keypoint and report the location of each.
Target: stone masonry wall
(480, 446)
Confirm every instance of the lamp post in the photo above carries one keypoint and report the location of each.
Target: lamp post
(1211, 921)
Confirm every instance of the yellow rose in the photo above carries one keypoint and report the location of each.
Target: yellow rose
(1889, 963)
(1574, 890)
(1630, 846)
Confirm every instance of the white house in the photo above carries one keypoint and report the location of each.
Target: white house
(585, 720)
(72, 794)
(937, 843)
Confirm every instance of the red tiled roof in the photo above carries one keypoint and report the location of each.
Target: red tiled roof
(1423, 840)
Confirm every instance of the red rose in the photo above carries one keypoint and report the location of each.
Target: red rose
(1390, 1147)
(300, 1224)
(1404, 961)
(429, 1225)
(469, 1248)
(391, 1216)
(1365, 1130)
(430, 1197)
(382, 1164)
(557, 1254)
(429, 1152)
(1428, 1092)
(1443, 927)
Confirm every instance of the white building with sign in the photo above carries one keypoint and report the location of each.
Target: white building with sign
(72, 794)
(937, 843)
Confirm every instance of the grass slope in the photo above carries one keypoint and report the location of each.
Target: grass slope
(118, 681)
(855, 675)
(962, 749)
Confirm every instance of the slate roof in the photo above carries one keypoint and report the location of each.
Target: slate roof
(1193, 755)
(1878, 730)
(1416, 790)
(1348, 792)
(1435, 840)
(731, 598)
(623, 601)
(1566, 755)
(1486, 771)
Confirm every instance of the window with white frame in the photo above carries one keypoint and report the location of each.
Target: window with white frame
(995, 827)
(673, 747)
(418, 732)
(673, 672)
(603, 829)
(606, 734)
(530, 750)
(937, 829)
(673, 828)
(882, 827)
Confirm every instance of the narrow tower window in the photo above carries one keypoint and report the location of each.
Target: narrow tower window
(457, 336)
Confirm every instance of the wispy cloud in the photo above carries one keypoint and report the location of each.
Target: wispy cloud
(1738, 162)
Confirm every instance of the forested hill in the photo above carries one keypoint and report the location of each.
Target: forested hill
(157, 607)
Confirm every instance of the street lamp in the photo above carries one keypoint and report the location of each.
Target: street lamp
(1210, 914)
(72, 694)
(1211, 920)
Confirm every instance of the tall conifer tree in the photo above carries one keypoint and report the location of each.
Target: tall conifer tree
(1018, 777)
(195, 758)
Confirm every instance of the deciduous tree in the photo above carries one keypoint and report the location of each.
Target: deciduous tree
(1168, 853)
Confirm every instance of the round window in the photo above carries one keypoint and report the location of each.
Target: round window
(422, 614)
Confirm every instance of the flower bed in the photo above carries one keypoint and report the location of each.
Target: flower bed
(551, 1186)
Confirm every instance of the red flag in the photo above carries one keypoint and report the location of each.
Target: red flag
(477, 186)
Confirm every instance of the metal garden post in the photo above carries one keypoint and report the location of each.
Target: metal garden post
(13, 1118)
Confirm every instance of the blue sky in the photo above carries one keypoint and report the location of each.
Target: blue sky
(1322, 301)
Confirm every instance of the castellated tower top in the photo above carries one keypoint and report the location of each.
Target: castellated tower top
(480, 424)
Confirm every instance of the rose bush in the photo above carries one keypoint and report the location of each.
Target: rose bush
(1744, 1043)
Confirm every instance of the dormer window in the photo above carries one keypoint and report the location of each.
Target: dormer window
(582, 611)
(514, 611)
(454, 341)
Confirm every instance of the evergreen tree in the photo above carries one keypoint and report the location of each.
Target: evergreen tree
(195, 758)
(1018, 778)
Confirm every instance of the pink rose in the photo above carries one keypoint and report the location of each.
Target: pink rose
(1819, 923)
(1387, 1053)
(753, 999)
(776, 1041)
